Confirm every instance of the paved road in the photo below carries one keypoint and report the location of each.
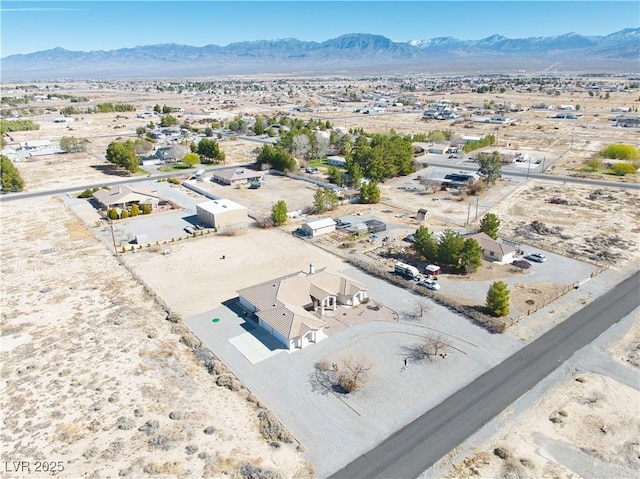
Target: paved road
(539, 176)
(419, 445)
(138, 179)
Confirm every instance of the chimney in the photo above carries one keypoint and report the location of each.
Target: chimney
(312, 268)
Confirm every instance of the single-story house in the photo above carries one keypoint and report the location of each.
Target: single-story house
(237, 176)
(222, 213)
(438, 149)
(123, 196)
(319, 227)
(336, 161)
(169, 154)
(494, 250)
(290, 308)
(460, 179)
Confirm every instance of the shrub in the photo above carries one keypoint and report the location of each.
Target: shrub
(135, 210)
(146, 209)
(621, 152)
(174, 181)
(124, 214)
(348, 384)
(621, 169)
(112, 214)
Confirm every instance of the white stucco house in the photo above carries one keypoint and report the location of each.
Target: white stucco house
(290, 308)
(493, 250)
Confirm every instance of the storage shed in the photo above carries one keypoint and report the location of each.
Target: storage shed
(222, 213)
(319, 227)
(375, 226)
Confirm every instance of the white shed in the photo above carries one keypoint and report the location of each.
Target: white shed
(319, 227)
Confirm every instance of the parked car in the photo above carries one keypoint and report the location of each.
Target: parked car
(520, 263)
(537, 257)
(409, 239)
(429, 284)
(189, 229)
(344, 225)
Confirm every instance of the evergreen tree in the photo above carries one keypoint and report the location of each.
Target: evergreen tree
(279, 213)
(135, 210)
(425, 244)
(471, 255)
(10, 176)
(498, 299)
(489, 225)
(450, 247)
(370, 193)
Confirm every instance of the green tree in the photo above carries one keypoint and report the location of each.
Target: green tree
(354, 172)
(498, 299)
(426, 244)
(123, 154)
(146, 209)
(258, 128)
(124, 214)
(490, 224)
(210, 149)
(71, 144)
(325, 199)
(112, 214)
(141, 130)
(276, 158)
(279, 213)
(168, 120)
(11, 180)
(370, 193)
(135, 210)
(471, 255)
(191, 159)
(335, 175)
(490, 167)
(450, 247)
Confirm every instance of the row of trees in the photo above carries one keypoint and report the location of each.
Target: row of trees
(449, 248)
(488, 140)
(135, 210)
(8, 126)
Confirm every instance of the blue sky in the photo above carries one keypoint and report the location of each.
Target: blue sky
(105, 25)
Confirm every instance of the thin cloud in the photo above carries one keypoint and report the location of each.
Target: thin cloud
(39, 9)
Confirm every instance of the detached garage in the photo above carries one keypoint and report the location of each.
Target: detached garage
(319, 227)
(222, 213)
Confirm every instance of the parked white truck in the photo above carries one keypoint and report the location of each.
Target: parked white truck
(406, 270)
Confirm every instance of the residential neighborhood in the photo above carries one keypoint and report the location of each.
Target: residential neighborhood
(296, 270)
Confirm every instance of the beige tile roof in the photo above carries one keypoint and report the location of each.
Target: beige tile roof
(124, 194)
(281, 302)
(487, 242)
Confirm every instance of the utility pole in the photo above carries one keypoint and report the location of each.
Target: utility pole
(468, 213)
(477, 201)
(113, 237)
(529, 167)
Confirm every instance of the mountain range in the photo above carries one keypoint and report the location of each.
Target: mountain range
(355, 53)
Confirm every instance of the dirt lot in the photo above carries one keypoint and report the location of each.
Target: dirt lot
(94, 376)
(585, 425)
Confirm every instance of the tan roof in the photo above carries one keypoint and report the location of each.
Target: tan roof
(281, 302)
(124, 194)
(238, 174)
(487, 242)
